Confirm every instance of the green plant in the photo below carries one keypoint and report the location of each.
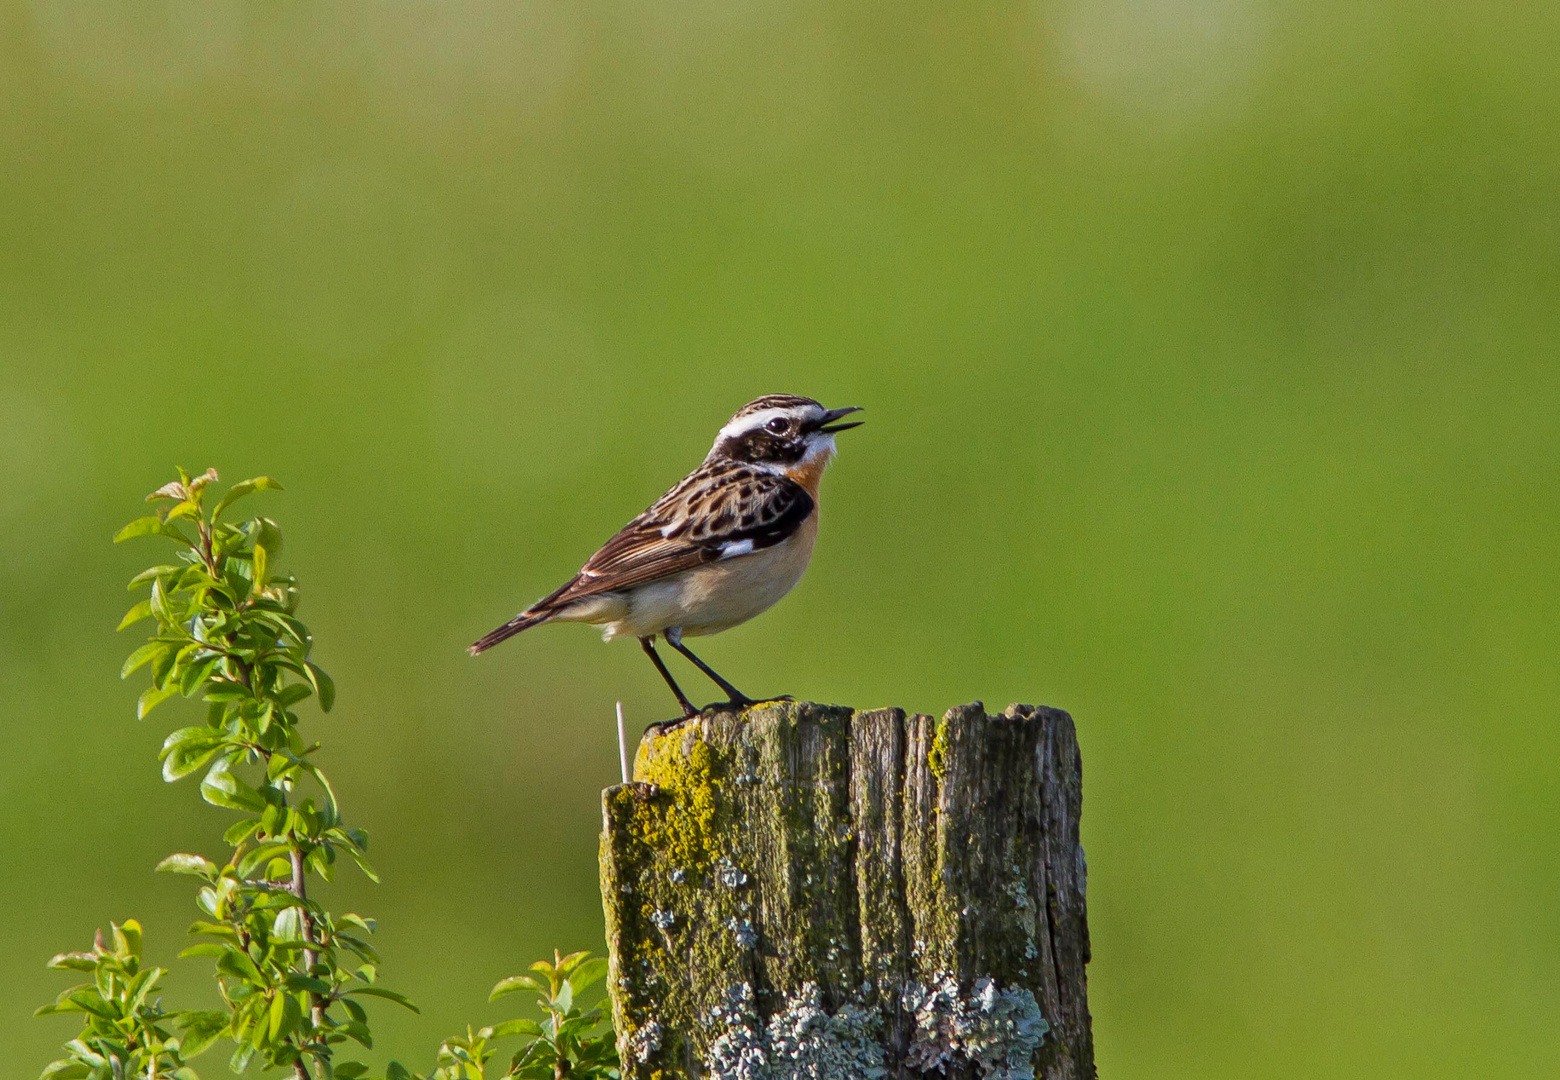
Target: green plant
(566, 1043)
(290, 972)
(126, 1030)
(227, 632)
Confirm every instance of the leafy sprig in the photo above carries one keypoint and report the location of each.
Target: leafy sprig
(567, 1042)
(125, 1030)
(291, 974)
(227, 633)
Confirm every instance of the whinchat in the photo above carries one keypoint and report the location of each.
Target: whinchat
(728, 541)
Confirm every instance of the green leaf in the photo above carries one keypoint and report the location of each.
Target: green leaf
(566, 965)
(196, 675)
(127, 937)
(163, 662)
(292, 694)
(239, 965)
(351, 1070)
(275, 819)
(330, 793)
(86, 1053)
(277, 1018)
(135, 614)
(201, 1028)
(187, 735)
(152, 697)
(90, 1001)
(368, 871)
(240, 831)
(388, 995)
(298, 982)
(73, 961)
(397, 1071)
(323, 684)
(173, 489)
(222, 788)
(188, 758)
(221, 692)
(194, 865)
(587, 973)
(242, 488)
(205, 948)
(140, 987)
(259, 856)
(268, 545)
(226, 931)
(515, 983)
(518, 1027)
(149, 574)
(187, 749)
(151, 525)
(159, 599)
(141, 656)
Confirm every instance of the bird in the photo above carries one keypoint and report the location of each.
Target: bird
(723, 545)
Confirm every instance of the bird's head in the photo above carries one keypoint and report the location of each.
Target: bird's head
(782, 433)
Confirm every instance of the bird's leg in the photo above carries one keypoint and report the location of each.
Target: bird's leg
(682, 699)
(737, 696)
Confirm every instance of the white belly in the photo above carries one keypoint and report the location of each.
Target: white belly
(715, 597)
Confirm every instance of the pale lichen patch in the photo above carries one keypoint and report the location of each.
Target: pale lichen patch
(996, 1030)
(801, 1041)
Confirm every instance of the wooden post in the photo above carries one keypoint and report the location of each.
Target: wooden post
(803, 891)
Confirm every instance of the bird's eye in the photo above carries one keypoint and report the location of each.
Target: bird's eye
(778, 425)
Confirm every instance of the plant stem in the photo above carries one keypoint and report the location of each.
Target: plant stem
(310, 955)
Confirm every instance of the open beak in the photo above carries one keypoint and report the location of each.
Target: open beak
(829, 427)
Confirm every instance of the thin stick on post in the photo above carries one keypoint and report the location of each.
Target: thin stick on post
(623, 746)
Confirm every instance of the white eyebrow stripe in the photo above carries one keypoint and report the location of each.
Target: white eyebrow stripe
(732, 549)
(754, 421)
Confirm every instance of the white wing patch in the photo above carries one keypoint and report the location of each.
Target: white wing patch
(733, 548)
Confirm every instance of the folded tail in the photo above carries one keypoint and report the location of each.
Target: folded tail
(523, 621)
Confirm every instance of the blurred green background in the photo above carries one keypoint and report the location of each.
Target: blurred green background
(1209, 348)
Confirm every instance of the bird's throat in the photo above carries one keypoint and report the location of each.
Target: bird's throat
(809, 471)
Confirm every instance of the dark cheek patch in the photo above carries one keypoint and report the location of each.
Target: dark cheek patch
(764, 447)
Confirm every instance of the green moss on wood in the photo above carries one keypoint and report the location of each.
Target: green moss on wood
(937, 757)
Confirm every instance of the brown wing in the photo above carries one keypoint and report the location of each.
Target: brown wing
(721, 510)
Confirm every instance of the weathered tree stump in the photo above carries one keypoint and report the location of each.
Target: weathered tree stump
(799, 890)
